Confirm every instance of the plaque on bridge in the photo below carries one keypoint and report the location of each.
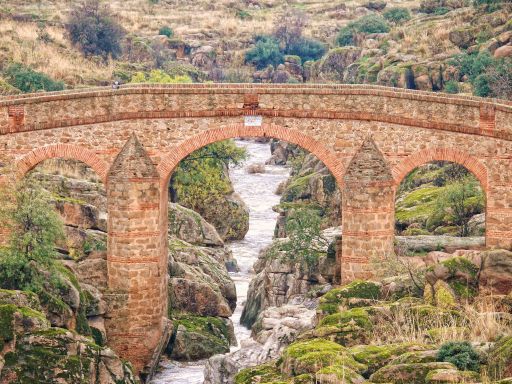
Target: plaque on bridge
(253, 121)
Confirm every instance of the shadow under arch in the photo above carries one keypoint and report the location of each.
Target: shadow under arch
(64, 151)
(171, 159)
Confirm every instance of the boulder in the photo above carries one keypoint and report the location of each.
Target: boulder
(408, 373)
(446, 376)
(462, 37)
(504, 51)
(189, 226)
(274, 330)
(59, 356)
(198, 337)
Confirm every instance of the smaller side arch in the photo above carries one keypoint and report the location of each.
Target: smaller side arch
(170, 160)
(474, 165)
(65, 151)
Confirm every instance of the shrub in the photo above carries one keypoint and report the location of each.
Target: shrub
(92, 28)
(441, 11)
(397, 15)
(265, 53)
(460, 354)
(158, 76)
(166, 31)
(345, 36)
(306, 49)
(366, 24)
(371, 24)
(451, 87)
(489, 5)
(28, 80)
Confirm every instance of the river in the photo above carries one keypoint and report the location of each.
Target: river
(257, 191)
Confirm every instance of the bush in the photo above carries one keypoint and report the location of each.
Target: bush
(92, 28)
(158, 76)
(397, 15)
(166, 31)
(489, 76)
(28, 80)
(265, 53)
(366, 24)
(306, 49)
(460, 354)
(451, 87)
(489, 5)
(371, 24)
(345, 36)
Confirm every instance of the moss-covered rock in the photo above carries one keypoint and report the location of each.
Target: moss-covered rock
(332, 300)
(377, 356)
(20, 299)
(338, 374)
(440, 294)
(18, 321)
(447, 376)
(57, 355)
(407, 373)
(309, 356)
(198, 337)
(265, 373)
(350, 327)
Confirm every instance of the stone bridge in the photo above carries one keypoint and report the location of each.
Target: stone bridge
(133, 137)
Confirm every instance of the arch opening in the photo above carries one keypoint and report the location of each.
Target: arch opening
(440, 206)
(262, 176)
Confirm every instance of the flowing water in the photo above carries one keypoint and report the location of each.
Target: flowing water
(257, 191)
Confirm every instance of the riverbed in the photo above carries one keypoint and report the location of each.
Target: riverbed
(258, 192)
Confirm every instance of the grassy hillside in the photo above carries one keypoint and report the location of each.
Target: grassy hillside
(209, 41)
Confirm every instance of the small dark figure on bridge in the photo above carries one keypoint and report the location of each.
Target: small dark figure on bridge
(116, 84)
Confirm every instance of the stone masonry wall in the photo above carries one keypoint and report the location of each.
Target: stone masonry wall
(368, 137)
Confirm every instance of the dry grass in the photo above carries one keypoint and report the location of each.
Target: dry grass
(475, 324)
(19, 43)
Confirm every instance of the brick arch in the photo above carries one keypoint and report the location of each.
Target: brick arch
(65, 151)
(171, 159)
(441, 154)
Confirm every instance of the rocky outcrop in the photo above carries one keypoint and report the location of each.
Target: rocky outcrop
(276, 328)
(312, 186)
(31, 350)
(279, 281)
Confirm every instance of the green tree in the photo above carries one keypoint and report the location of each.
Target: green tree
(266, 52)
(366, 24)
(305, 242)
(91, 26)
(201, 177)
(34, 228)
(459, 202)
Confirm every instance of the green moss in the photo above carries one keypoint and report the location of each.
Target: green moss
(7, 322)
(296, 189)
(339, 373)
(306, 378)
(300, 348)
(460, 264)
(418, 204)
(261, 374)
(331, 301)
(377, 356)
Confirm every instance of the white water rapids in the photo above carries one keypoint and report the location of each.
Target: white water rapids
(257, 191)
